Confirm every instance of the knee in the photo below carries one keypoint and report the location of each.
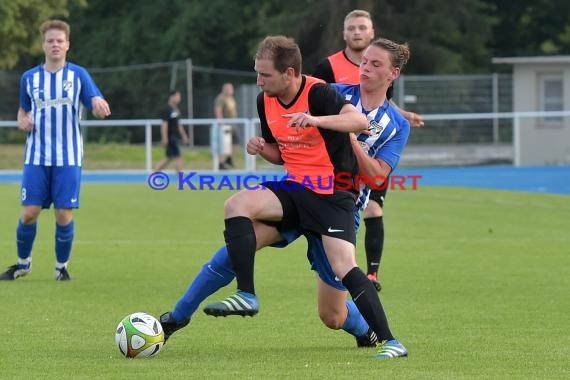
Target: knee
(341, 267)
(29, 216)
(63, 216)
(332, 319)
(27, 219)
(232, 206)
(241, 204)
(373, 210)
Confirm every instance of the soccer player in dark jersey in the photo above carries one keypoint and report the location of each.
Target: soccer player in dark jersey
(171, 131)
(216, 273)
(51, 97)
(343, 67)
(304, 124)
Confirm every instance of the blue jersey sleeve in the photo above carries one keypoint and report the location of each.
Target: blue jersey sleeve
(88, 88)
(392, 150)
(25, 99)
(350, 92)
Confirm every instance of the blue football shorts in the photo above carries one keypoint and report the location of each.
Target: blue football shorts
(44, 185)
(316, 256)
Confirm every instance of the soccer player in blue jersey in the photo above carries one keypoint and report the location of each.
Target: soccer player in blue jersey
(51, 96)
(343, 67)
(378, 154)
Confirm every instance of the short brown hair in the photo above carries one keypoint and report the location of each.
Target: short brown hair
(399, 53)
(283, 51)
(55, 24)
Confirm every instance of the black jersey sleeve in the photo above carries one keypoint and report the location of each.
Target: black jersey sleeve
(324, 71)
(325, 100)
(265, 131)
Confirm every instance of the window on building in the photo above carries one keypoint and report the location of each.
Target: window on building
(552, 97)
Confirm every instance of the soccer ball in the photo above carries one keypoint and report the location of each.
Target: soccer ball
(139, 335)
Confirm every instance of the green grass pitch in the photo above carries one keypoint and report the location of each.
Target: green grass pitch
(476, 285)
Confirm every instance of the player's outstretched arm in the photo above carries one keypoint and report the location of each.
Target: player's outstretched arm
(416, 121)
(100, 108)
(348, 120)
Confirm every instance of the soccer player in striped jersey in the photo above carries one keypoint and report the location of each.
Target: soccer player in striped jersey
(51, 97)
(343, 67)
(388, 132)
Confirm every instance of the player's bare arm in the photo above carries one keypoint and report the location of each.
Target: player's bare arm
(164, 133)
(25, 121)
(100, 107)
(368, 166)
(182, 131)
(270, 152)
(416, 121)
(348, 120)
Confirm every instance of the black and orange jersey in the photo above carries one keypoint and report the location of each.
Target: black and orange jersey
(311, 156)
(337, 68)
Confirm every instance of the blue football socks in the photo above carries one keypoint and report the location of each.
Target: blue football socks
(215, 274)
(63, 242)
(355, 323)
(25, 236)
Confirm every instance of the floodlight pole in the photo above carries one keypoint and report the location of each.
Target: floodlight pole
(190, 100)
(495, 98)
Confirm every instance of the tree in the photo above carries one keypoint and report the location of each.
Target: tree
(214, 33)
(445, 37)
(19, 22)
(531, 27)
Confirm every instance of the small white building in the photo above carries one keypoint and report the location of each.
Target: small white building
(541, 84)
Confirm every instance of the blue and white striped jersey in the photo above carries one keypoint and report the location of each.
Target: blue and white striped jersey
(390, 131)
(55, 101)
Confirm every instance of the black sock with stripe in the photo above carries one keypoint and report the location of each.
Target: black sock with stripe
(366, 299)
(241, 243)
(373, 243)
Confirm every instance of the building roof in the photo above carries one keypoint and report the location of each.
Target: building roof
(538, 59)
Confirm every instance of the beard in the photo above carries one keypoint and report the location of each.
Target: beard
(358, 46)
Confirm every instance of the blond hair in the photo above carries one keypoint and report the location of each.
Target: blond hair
(55, 24)
(357, 13)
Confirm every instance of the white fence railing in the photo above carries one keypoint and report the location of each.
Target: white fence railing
(539, 132)
(552, 126)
